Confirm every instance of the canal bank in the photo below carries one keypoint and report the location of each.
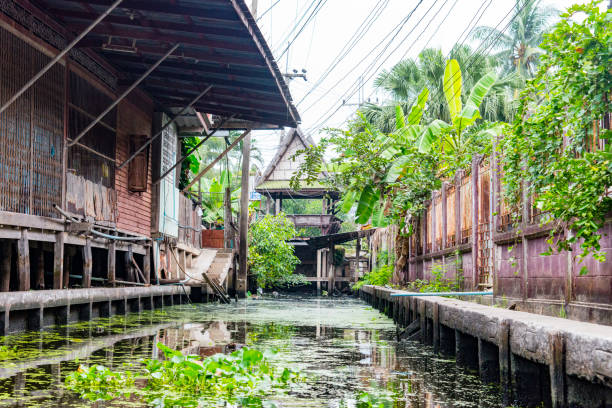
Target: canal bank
(536, 359)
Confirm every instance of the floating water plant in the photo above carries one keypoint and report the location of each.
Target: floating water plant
(243, 378)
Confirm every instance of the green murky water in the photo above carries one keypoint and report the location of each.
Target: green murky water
(341, 346)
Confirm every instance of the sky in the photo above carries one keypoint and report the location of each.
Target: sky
(388, 31)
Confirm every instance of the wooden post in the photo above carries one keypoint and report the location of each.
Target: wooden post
(331, 269)
(58, 260)
(503, 341)
(277, 206)
(458, 179)
(7, 254)
(183, 261)
(241, 281)
(358, 257)
(69, 252)
(494, 210)
(39, 280)
(424, 230)
(475, 217)
(525, 243)
(87, 263)
(112, 262)
(23, 264)
(436, 326)
(146, 265)
(319, 259)
(433, 222)
(127, 260)
(227, 218)
(557, 370)
(444, 219)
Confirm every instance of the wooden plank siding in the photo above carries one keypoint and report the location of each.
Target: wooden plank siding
(133, 209)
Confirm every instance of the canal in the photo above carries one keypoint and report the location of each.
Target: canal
(342, 347)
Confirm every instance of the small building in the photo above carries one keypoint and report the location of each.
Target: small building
(90, 152)
(275, 186)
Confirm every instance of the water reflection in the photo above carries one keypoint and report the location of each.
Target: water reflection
(343, 347)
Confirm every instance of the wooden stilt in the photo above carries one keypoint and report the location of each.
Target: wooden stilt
(146, 265)
(23, 264)
(7, 254)
(112, 263)
(58, 260)
(128, 265)
(87, 264)
(39, 280)
(68, 266)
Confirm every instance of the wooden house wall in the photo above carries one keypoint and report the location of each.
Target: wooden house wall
(466, 208)
(31, 130)
(133, 209)
(451, 210)
(437, 204)
(286, 167)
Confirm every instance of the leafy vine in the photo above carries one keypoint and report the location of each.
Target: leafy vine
(555, 148)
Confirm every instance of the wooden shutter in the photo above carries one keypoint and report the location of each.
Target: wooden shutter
(139, 166)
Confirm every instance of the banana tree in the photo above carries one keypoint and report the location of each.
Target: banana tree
(456, 137)
(370, 194)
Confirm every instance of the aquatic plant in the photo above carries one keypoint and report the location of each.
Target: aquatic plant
(244, 377)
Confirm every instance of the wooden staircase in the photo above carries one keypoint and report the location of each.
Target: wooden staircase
(214, 272)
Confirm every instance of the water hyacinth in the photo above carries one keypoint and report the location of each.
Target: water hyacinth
(241, 379)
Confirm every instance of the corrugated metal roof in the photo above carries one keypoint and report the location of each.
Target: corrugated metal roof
(220, 45)
(285, 184)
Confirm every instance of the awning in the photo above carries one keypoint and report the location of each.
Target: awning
(324, 241)
(220, 45)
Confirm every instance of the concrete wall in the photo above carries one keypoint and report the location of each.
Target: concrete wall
(537, 361)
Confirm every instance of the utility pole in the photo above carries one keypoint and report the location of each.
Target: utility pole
(254, 9)
(241, 281)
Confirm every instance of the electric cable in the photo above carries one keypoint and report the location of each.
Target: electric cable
(359, 33)
(267, 10)
(394, 32)
(313, 14)
(369, 71)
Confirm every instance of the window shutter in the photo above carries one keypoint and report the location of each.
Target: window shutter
(139, 166)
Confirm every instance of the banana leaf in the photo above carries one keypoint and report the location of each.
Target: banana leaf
(452, 87)
(366, 204)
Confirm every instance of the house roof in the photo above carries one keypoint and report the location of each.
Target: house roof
(220, 45)
(267, 185)
(276, 185)
(285, 143)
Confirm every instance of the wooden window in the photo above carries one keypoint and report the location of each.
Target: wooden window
(139, 166)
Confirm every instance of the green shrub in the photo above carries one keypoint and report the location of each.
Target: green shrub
(271, 257)
(439, 282)
(379, 276)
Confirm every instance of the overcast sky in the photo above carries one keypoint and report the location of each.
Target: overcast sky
(319, 100)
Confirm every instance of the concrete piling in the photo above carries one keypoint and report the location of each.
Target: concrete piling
(535, 359)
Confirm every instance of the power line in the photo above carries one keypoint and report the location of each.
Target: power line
(394, 32)
(318, 8)
(369, 69)
(359, 33)
(285, 37)
(475, 54)
(268, 9)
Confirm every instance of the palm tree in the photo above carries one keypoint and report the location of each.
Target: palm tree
(518, 50)
(407, 78)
